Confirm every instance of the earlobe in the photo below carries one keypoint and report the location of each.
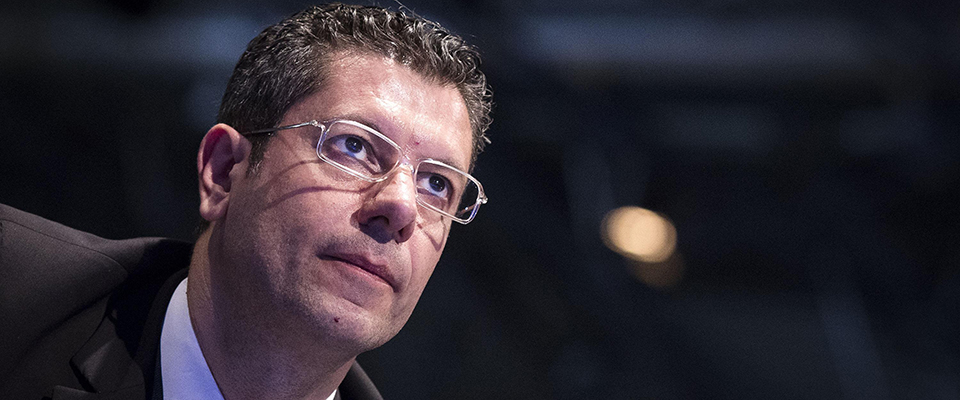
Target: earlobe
(221, 151)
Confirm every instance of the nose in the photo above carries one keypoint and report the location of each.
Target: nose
(389, 210)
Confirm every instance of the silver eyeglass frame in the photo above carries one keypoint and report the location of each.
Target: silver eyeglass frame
(324, 129)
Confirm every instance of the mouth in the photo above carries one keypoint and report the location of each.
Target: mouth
(378, 271)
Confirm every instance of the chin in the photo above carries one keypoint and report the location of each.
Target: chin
(349, 325)
(357, 332)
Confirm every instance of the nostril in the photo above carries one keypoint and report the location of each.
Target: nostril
(378, 229)
(404, 233)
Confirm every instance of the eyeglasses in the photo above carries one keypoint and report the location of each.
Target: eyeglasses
(361, 151)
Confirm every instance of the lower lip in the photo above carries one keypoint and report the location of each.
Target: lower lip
(367, 275)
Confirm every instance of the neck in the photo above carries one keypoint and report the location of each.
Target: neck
(250, 355)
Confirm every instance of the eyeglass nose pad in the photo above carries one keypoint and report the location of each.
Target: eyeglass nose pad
(401, 165)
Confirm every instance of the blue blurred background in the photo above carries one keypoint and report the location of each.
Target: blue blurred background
(806, 152)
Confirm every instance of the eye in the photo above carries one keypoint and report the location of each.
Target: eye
(435, 185)
(351, 145)
(354, 152)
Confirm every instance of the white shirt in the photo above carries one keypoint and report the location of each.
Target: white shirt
(185, 373)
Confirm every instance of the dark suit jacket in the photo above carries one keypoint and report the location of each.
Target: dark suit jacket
(80, 316)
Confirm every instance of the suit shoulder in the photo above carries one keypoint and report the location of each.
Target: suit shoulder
(50, 272)
(29, 242)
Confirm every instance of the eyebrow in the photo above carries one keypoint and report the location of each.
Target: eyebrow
(361, 119)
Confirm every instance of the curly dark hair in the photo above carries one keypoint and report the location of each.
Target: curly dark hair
(289, 60)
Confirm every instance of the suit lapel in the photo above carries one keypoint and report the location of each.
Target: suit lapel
(119, 359)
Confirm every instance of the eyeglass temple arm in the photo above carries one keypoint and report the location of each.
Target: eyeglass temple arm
(272, 131)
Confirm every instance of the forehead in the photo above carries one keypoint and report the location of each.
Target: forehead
(427, 119)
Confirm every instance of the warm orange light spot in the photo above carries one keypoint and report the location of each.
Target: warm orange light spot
(639, 234)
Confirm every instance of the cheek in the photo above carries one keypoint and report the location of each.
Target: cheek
(435, 236)
(307, 200)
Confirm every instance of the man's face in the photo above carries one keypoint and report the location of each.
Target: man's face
(308, 249)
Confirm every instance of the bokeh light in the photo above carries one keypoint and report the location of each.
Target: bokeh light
(639, 234)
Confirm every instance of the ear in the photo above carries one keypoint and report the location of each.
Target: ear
(221, 151)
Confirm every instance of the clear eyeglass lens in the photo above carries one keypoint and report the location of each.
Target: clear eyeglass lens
(363, 152)
(446, 189)
(358, 149)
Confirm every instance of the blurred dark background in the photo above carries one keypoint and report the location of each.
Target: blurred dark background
(806, 152)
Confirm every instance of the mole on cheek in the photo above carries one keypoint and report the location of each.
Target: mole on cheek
(336, 320)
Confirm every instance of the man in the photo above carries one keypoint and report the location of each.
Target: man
(329, 187)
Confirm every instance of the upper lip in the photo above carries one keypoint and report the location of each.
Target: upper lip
(378, 269)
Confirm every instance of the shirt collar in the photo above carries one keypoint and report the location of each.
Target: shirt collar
(184, 371)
